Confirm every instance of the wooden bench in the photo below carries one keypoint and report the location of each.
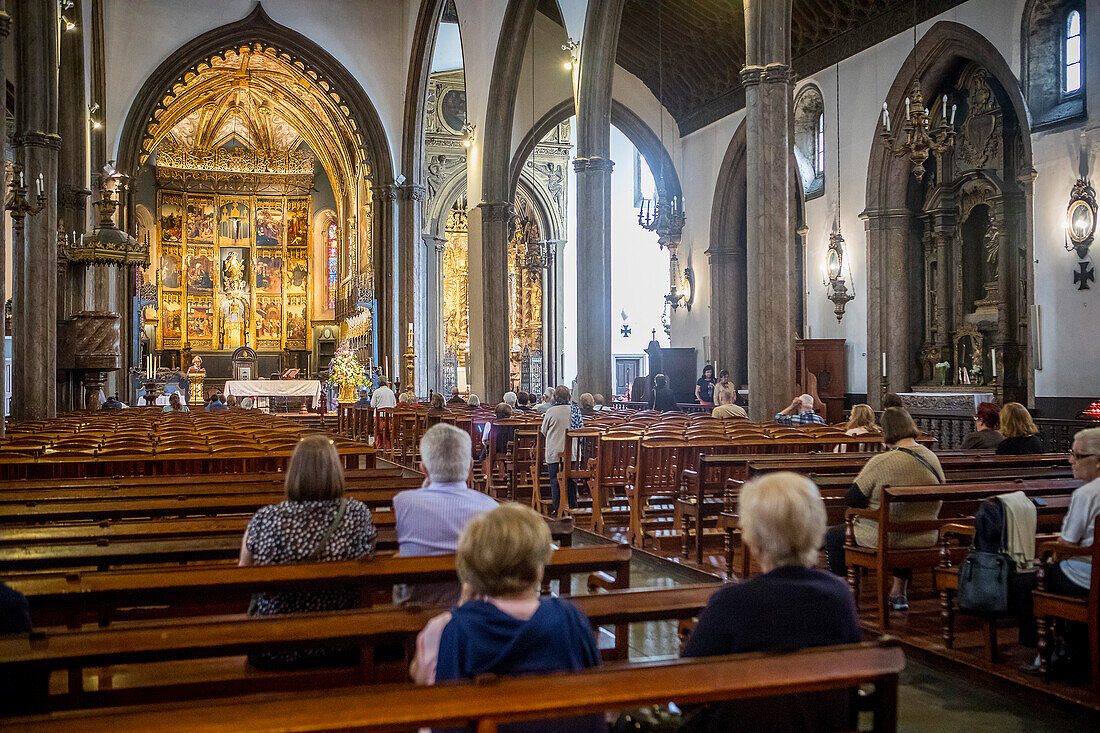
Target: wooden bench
(77, 598)
(141, 647)
(486, 703)
(959, 500)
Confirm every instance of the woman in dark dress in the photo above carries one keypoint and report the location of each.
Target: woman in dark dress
(1021, 436)
(316, 523)
(663, 398)
(704, 387)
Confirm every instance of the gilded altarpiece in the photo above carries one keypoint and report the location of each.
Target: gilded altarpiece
(234, 270)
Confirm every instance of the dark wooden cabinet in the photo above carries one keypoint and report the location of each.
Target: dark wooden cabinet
(826, 360)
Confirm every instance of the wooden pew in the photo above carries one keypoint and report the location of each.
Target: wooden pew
(959, 500)
(38, 654)
(77, 598)
(489, 702)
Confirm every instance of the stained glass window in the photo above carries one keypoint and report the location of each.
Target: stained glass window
(333, 250)
(1071, 80)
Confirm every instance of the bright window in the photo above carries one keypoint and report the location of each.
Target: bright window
(819, 147)
(1071, 82)
(333, 249)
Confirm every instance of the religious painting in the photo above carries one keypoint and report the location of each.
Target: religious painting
(200, 321)
(234, 268)
(297, 270)
(234, 219)
(269, 270)
(171, 217)
(170, 304)
(200, 219)
(297, 222)
(296, 320)
(269, 222)
(171, 267)
(269, 318)
(200, 269)
(452, 108)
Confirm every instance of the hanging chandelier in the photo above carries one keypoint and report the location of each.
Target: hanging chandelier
(657, 215)
(918, 139)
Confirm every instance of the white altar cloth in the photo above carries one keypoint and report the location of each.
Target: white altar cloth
(275, 388)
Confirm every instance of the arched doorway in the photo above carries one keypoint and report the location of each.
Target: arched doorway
(241, 137)
(949, 253)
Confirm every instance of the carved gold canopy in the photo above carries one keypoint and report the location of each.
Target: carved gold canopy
(250, 109)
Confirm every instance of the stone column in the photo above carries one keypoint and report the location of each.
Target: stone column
(888, 303)
(488, 272)
(728, 333)
(553, 307)
(411, 280)
(34, 304)
(767, 80)
(593, 166)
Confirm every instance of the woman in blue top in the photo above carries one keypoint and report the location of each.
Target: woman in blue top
(501, 624)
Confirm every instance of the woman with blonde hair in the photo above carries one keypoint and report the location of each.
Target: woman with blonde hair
(501, 624)
(1021, 436)
(861, 421)
(316, 523)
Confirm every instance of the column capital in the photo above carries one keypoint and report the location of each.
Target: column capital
(401, 192)
(595, 163)
(774, 73)
(37, 139)
(5, 24)
(496, 210)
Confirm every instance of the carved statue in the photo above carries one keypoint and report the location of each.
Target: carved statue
(232, 271)
(991, 240)
(234, 322)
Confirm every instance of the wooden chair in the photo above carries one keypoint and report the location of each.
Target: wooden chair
(656, 477)
(618, 455)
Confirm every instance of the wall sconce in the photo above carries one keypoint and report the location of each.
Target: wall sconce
(92, 109)
(1080, 228)
(64, 5)
(469, 134)
(570, 47)
(836, 289)
(685, 294)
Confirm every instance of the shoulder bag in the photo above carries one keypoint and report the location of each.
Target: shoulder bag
(986, 572)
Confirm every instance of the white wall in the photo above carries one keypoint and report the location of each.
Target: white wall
(865, 81)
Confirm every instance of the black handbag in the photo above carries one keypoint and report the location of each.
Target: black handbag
(985, 575)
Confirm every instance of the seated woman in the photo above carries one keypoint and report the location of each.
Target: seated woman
(316, 523)
(906, 463)
(501, 624)
(861, 421)
(987, 418)
(1021, 436)
(790, 606)
(175, 404)
(588, 404)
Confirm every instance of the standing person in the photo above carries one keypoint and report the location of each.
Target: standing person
(789, 606)
(554, 424)
(1021, 437)
(987, 418)
(725, 392)
(315, 523)
(383, 396)
(430, 519)
(663, 398)
(704, 387)
(799, 412)
(502, 625)
(905, 463)
(547, 402)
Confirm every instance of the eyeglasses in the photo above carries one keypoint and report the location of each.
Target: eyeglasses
(1081, 456)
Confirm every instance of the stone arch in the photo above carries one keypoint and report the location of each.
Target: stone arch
(893, 293)
(640, 134)
(321, 68)
(727, 255)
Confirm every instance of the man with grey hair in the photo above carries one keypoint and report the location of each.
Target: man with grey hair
(547, 401)
(799, 412)
(383, 396)
(510, 399)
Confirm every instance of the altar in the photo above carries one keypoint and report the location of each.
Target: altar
(274, 388)
(961, 404)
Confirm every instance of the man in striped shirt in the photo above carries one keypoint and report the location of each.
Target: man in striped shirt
(430, 519)
(799, 412)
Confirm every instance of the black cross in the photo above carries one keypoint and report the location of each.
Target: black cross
(1083, 274)
(626, 331)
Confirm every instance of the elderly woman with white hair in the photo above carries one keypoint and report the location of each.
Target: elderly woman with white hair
(799, 412)
(791, 605)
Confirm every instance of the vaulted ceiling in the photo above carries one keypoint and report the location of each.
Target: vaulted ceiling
(702, 45)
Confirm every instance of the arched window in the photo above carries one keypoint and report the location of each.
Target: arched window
(1071, 76)
(1053, 61)
(333, 260)
(809, 140)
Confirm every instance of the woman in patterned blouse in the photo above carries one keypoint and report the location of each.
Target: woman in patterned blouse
(316, 523)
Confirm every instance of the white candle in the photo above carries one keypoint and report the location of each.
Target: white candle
(39, 184)
(885, 117)
(21, 184)
(884, 365)
(993, 361)
(953, 108)
(907, 106)
(943, 107)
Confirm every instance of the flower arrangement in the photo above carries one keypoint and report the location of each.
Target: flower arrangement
(344, 370)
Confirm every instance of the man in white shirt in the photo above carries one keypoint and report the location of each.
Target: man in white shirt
(383, 396)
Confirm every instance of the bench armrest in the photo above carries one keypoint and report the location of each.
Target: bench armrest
(1056, 548)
